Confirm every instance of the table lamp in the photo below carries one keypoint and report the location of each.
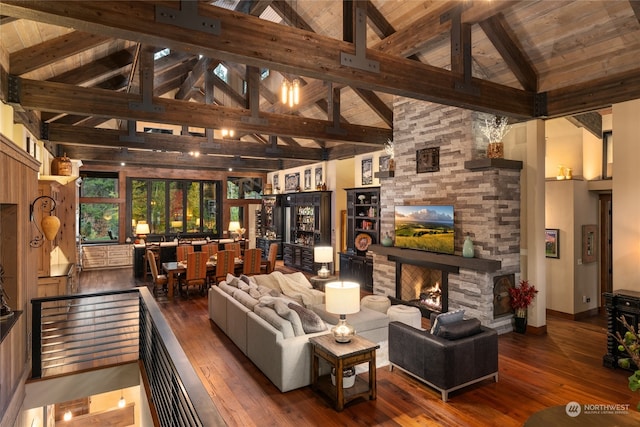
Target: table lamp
(323, 254)
(234, 226)
(142, 230)
(342, 298)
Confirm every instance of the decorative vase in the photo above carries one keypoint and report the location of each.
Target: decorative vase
(521, 324)
(50, 225)
(61, 166)
(386, 240)
(467, 247)
(495, 150)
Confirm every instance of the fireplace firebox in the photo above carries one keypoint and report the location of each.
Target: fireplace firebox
(422, 285)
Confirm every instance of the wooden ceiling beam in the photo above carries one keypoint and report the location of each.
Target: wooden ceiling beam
(503, 39)
(256, 42)
(196, 73)
(172, 160)
(593, 95)
(80, 135)
(54, 50)
(98, 70)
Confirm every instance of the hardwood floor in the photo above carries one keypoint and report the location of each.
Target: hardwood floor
(536, 372)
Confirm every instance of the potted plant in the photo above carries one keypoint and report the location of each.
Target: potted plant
(495, 129)
(521, 298)
(630, 344)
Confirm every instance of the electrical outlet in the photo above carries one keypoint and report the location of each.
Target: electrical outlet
(588, 299)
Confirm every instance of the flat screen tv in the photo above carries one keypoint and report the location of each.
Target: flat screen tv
(426, 227)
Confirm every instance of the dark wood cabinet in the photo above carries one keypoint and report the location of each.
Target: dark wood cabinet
(270, 224)
(619, 303)
(308, 223)
(363, 218)
(363, 230)
(264, 244)
(356, 268)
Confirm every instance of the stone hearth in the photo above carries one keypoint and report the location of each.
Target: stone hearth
(485, 194)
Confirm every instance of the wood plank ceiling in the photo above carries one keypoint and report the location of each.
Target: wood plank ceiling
(82, 75)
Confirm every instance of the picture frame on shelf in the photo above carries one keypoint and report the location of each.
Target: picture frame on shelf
(428, 160)
(589, 243)
(552, 243)
(318, 176)
(367, 171)
(307, 179)
(383, 163)
(292, 181)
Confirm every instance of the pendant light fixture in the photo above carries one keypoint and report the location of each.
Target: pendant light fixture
(290, 92)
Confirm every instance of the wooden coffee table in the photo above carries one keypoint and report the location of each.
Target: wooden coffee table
(341, 356)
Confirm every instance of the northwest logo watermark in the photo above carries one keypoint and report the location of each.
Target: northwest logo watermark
(573, 409)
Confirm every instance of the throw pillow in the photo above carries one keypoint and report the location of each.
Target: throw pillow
(232, 280)
(446, 318)
(247, 279)
(458, 330)
(311, 322)
(292, 316)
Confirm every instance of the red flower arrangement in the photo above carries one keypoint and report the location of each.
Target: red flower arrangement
(522, 296)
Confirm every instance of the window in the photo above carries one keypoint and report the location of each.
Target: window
(244, 188)
(175, 206)
(607, 155)
(99, 212)
(222, 72)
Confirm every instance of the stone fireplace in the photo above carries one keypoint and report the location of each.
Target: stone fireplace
(485, 194)
(425, 287)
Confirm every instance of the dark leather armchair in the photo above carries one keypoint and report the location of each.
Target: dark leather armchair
(444, 364)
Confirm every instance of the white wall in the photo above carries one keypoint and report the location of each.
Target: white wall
(626, 195)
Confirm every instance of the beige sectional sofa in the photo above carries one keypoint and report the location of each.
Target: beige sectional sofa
(256, 314)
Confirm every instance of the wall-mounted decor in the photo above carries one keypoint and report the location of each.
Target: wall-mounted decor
(292, 181)
(383, 163)
(318, 176)
(367, 171)
(307, 179)
(589, 243)
(276, 181)
(552, 243)
(428, 160)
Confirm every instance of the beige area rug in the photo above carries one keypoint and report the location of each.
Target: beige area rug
(382, 358)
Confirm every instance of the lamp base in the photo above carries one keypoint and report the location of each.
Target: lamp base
(343, 332)
(323, 272)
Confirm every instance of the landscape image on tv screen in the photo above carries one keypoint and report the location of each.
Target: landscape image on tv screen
(428, 228)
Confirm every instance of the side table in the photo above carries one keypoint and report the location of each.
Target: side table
(341, 356)
(318, 282)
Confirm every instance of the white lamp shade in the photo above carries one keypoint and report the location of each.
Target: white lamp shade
(142, 228)
(342, 297)
(323, 254)
(234, 225)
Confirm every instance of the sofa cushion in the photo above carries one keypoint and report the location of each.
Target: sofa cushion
(226, 288)
(458, 330)
(311, 322)
(292, 316)
(446, 318)
(299, 279)
(232, 280)
(245, 299)
(364, 320)
(268, 280)
(271, 317)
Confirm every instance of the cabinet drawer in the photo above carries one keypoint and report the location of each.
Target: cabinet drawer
(94, 262)
(119, 251)
(119, 261)
(627, 304)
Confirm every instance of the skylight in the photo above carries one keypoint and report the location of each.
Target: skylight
(161, 54)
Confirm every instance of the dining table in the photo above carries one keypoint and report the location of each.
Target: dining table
(173, 268)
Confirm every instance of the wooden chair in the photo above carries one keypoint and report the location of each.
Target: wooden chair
(210, 248)
(271, 257)
(182, 251)
(196, 272)
(269, 264)
(159, 280)
(235, 247)
(225, 264)
(251, 261)
(155, 250)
